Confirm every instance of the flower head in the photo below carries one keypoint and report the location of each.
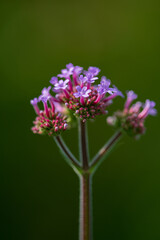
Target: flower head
(131, 119)
(52, 125)
(77, 93)
(50, 121)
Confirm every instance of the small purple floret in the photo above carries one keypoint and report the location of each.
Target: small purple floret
(135, 107)
(82, 79)
(45, 96)
(82, 92)
(54, 80)
(116, 91)
(70, 66)
(90, 77)
(130, 97)
(94, 70)
(103, 87)
(66, 73)
(148, 109)
(34, 101)
(77, 70)
(61, 85)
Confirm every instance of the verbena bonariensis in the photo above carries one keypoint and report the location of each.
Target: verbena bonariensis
(77, 96)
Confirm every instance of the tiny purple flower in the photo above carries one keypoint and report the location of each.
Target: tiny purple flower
(130, 97)
(45, 96)
(116, 91)
(61, 85)
(82, 79)
(77, 70)
(65, 73)
(34, 101)
(94, 70)
(135, 107)
(90, 77)
(82, 92)
(103, 87)
(70, 66)
(148, 109)
(54, 80)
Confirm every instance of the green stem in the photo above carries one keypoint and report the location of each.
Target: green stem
(105, 150)
(66, 152)
(85, 221)
(83, 145)
(85, 172)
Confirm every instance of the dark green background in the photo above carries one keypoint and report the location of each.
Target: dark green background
(39, 192)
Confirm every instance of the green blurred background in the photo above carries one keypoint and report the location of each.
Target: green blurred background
(39, 192)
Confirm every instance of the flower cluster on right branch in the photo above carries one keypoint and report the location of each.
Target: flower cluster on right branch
(131, 118)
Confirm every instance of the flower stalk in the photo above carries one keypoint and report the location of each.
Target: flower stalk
(85, 220)
(85, 170)
(70, 158)
(76, 96)
(83, 145)
(104, 151)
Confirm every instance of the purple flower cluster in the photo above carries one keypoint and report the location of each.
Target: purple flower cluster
(76, 91)
(75, 94)
(51, 120)
(132, 118)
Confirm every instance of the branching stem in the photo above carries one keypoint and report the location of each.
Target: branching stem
(97, 160)
(66, 152)
(85, 171)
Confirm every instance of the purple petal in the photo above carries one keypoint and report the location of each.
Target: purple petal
(152, 112)
(94, 70)
(34, 101)
(66, 81)
(54, 80)
(77, 94)
(88, 91)
(78, 88)
(69, 66)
